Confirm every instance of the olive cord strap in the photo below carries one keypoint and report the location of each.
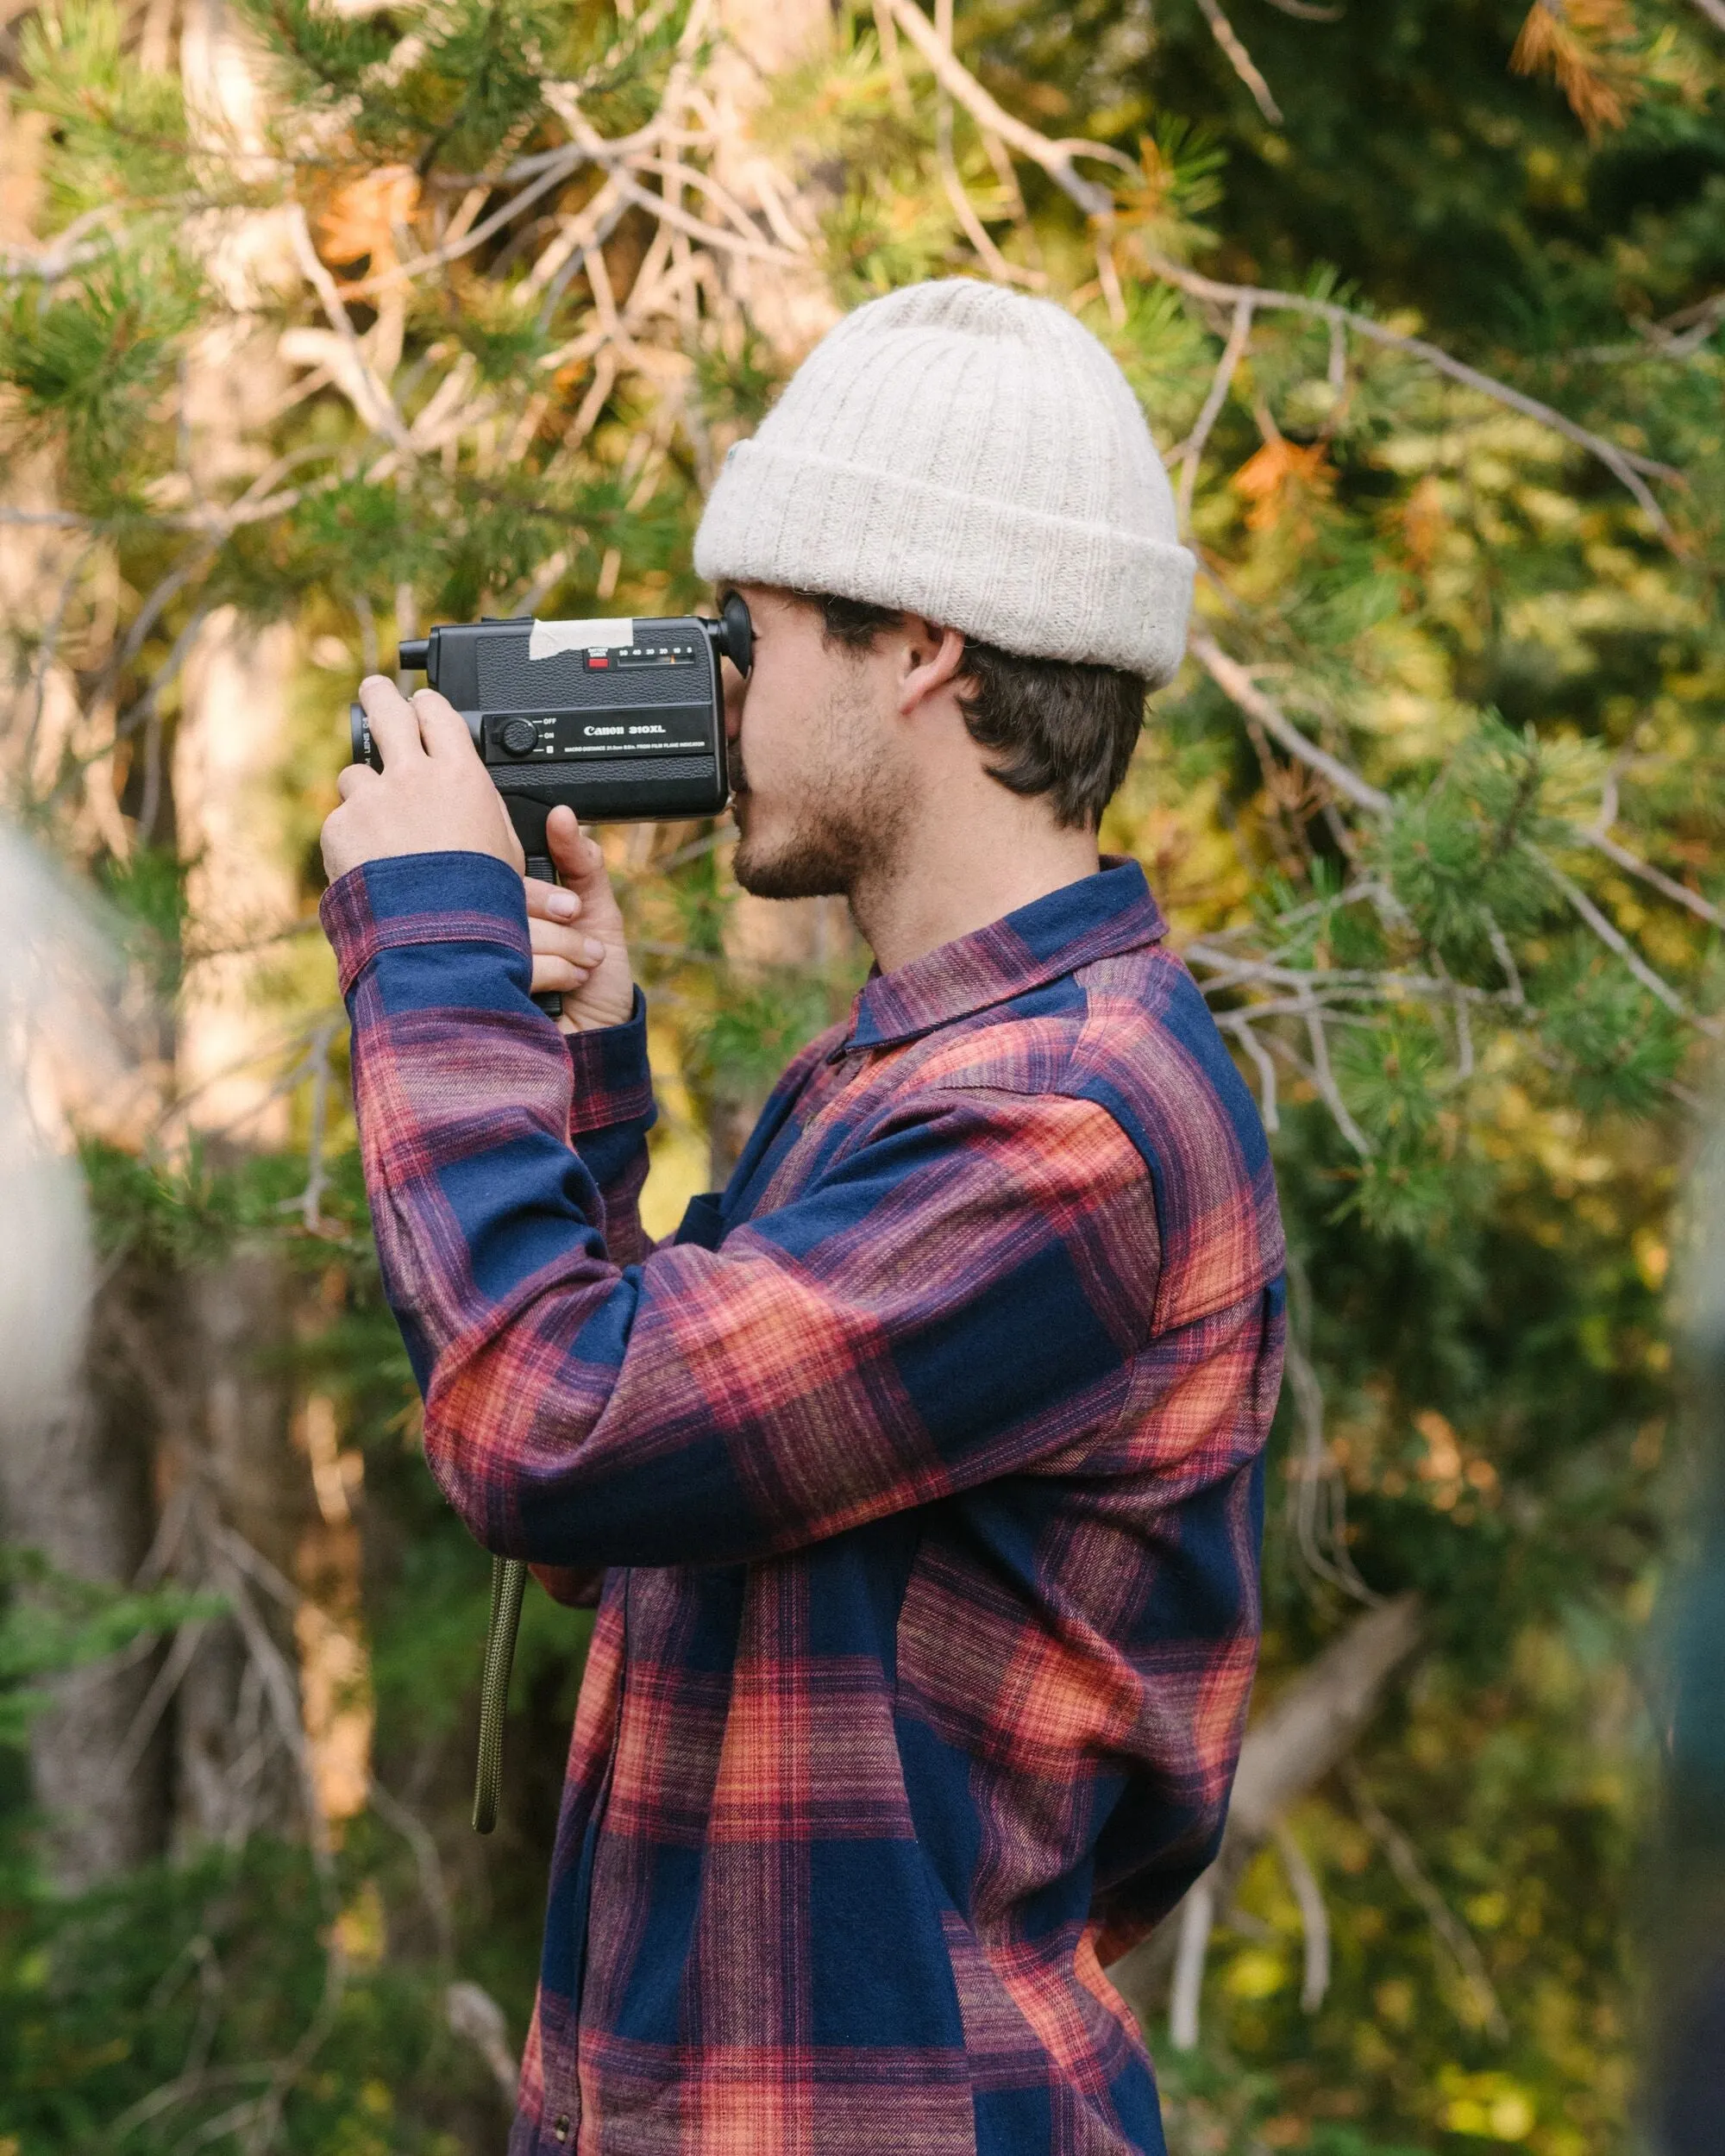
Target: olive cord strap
(508, 1583)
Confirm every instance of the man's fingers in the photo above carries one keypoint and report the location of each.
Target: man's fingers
(441, 728)
(550, 972)
(394, 723)
(355, 778)
(550, 939)
(549, 901)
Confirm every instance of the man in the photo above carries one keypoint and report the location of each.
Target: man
(922, 1467)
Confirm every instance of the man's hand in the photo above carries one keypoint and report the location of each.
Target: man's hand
(577, 931)
(433, 794)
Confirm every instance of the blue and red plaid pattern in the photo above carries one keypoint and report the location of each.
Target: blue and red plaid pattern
(922, 1469)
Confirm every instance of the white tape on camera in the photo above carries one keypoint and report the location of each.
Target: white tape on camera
(549, 637)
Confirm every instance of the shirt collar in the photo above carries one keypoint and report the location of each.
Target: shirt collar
(1094, 917)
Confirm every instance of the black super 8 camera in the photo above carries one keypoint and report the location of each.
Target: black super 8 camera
(623, 721)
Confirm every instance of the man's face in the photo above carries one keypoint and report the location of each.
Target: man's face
(822, 789)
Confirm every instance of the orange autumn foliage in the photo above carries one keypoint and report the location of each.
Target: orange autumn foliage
(1582, 43)
(1284, 475)
(363, 217)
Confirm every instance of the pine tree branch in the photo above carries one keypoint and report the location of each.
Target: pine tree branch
(1626, 465)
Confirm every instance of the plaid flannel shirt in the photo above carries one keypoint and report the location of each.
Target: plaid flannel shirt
(922, 1470)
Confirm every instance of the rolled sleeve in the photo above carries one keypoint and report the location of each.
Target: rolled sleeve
(414, 900)
(610, 1111)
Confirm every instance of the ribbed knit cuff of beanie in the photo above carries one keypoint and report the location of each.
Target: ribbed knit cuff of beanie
(974, 456)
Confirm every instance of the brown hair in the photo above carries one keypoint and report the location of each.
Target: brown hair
(1055, 727)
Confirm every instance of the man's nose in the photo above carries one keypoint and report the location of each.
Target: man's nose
(735, 689)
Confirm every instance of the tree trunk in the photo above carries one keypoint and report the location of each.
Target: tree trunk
(241, 1758)
(75, 1479)
(75, 1487)
(239, 1754)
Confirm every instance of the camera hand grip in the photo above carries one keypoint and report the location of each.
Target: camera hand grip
(539, 866)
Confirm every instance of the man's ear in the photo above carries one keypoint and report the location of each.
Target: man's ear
(933, 656)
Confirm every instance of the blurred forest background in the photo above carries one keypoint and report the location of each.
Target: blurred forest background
(322, 321)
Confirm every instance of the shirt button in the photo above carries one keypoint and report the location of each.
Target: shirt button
(561, 2130)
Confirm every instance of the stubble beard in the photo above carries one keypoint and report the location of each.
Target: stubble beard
(848, 828)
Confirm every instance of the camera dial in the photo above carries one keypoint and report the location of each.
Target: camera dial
(520, 737)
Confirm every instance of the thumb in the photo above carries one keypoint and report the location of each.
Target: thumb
(579, 858)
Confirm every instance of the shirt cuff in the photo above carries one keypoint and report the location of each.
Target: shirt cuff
(432, 898)
(614, 1081)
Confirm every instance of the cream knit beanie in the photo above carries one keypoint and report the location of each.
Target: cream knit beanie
(973, 456)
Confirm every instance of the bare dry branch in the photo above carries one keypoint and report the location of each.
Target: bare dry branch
(370, 398)
(951, 180)
(1197, 1919)
(1237, 684)
(1325, 1079)
(1241, 60)
(708, 235)
(1311, 1727)
(1626, 465)
(155, 1703)
(183, 2089)
(1314, 1916)
(1239, 1025)
(473, 2014)
(1506, 959)
(1404, 1862)
(1679, 336)
(67, 251)
(886, 30)
(1614, 939)
(1314, 1723)
(433, 1888)
(310, 1201)
(1679, 894)
(1190, 452)
(1055, 158)
(1316, 1493)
